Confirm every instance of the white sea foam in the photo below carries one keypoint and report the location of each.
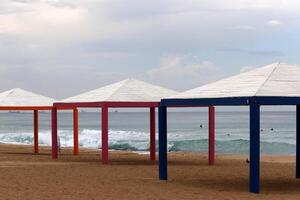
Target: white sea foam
(88, 138)
(234, 142)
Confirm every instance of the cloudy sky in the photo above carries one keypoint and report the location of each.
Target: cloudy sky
(63, 47)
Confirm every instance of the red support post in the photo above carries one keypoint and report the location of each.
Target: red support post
(75, 130)
(36, 131)
(104, 134)
(211, 135)
(54, 132)
(152, 133)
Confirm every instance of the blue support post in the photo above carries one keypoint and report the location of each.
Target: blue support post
(254, 148)
(297, 141)
(163, 171)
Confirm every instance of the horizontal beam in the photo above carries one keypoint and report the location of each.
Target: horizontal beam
(74, 105)
(25, 107)
(273, 101)
(231, 101)
(132, 104)
(186, 106)
(108, 104)
(205, 102)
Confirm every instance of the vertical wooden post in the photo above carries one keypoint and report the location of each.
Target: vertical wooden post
(297, 141)
(163, 163)
(54, 132)
(104, 134)
(36, 131)
(254, 148)
(152, 133)
(211, 135)
(75, 130)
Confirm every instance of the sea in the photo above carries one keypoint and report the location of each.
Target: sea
(187, 131)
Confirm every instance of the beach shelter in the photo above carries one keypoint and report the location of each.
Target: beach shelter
(129, 93)
(20, 100)
(271, 85)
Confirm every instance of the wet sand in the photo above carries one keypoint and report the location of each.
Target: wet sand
(24, 175)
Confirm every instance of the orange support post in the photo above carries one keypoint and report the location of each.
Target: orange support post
(75, 130)
(104, 134)
(36, 131)
(152, 133)
(211, 135)
(54, 132)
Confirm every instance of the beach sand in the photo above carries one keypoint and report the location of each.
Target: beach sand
(24, 175)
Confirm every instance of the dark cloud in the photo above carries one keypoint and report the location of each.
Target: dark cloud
(61, 52)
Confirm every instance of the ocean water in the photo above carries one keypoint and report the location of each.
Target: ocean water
(130, 131)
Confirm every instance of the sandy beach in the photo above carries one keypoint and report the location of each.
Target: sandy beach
(133, 176)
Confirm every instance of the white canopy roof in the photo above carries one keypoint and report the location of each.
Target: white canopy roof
(278, 79)
(129, 90)
(20, 97)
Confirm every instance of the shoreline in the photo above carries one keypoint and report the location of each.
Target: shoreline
(147, 152)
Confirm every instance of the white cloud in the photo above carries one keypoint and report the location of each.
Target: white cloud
(175, 72)
(274, 23)
(42, 22)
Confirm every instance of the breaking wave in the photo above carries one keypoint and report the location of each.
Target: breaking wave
(139, 141)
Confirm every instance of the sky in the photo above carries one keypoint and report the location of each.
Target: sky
(61, 48)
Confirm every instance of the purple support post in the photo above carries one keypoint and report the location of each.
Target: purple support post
(104, 134)
(152, 133)
(211, 135)
(54, 132)
(75, 131)
(36, 131)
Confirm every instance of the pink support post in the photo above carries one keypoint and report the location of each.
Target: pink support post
(54, 132)
(211, 135)
(152, 133)
(75, 130)
(104, 134)
(36, 131)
